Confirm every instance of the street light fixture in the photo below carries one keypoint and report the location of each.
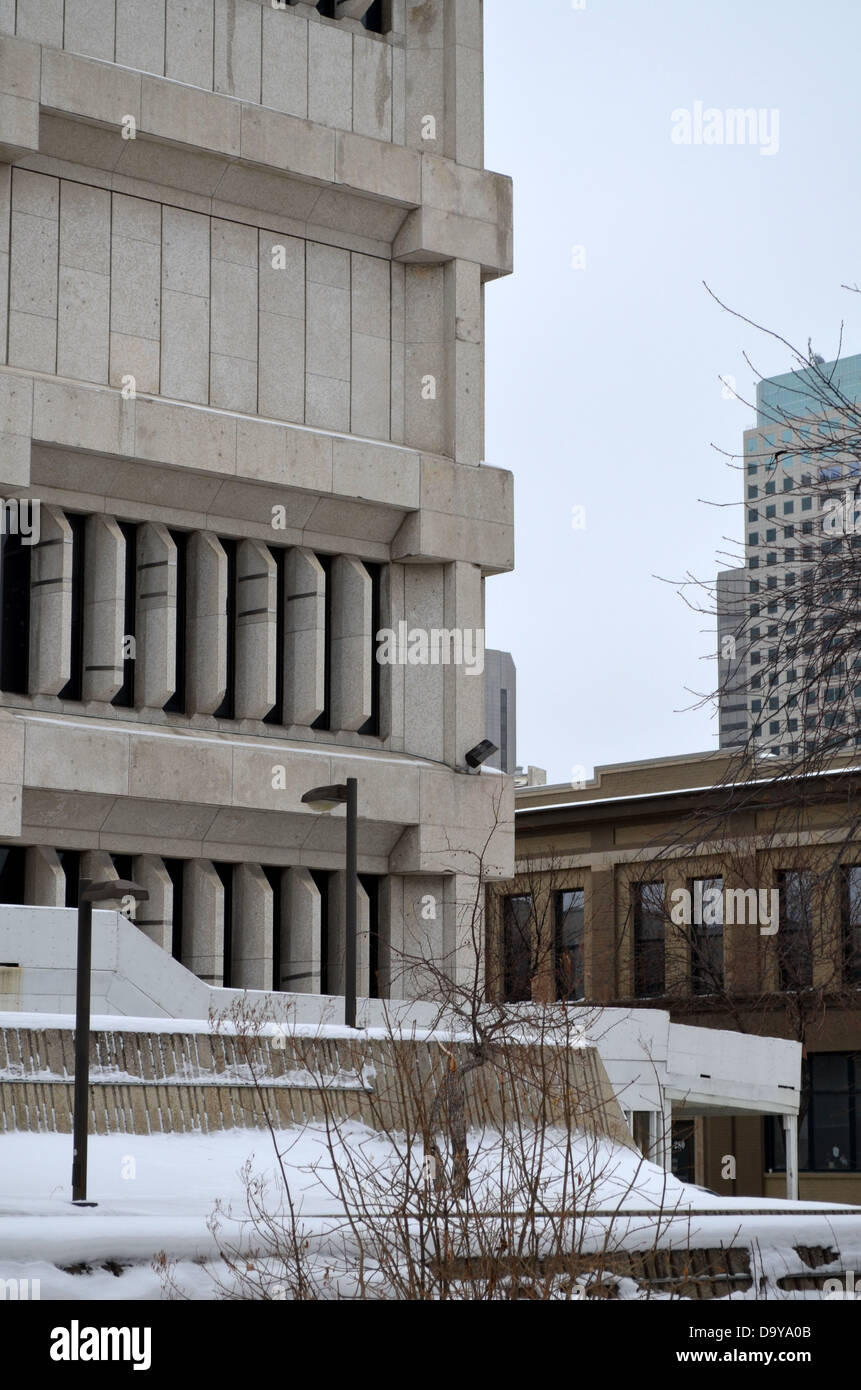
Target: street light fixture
(327, 799)
(89, 892)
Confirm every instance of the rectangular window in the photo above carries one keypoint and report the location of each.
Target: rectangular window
(794, 947)
(707, 936)
(14, 614)
(829, 1135)
(570, 920)
(649, 947)
(226, 874)
(517, 947)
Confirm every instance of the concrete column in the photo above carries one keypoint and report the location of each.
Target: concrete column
(305, 638)
(301, 931)
(44, 880)
(155, 916)
(252, 929)
(203, 922)
(155, 621)
(412, 929)
(464, 385)
(51, 605)
(104, 608)
(464, 684)
(207, 623)
(337, 939)
(256, 578)
(464, 83)
(790, 1136)
(352, 653)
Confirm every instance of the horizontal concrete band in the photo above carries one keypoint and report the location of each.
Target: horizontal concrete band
(466, 212)
(429, 508)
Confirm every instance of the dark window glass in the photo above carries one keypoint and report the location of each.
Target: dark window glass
(707, 936)
(829, 1138)
(73, 689)
(176, 869)
(321, 879)
(275, 877)
(14, 614)
(517, 946)
(225, 873)
(570, 916)
(649, 949)
(12, 862)
(794, 947)
(371, 885)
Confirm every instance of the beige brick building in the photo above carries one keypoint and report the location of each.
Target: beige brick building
(611, 906)
(243, 250)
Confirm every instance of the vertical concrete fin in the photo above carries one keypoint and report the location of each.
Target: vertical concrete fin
(155, 621)
(51, 605)
(305, 642)
(256, 611)
(352, 653)
(104, 608)
(207, 623)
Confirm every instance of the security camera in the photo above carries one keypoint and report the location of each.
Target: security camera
(480, 753)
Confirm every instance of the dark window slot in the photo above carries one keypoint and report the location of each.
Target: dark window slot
(321, 878)
(225, 873)
(371, 885)
(176, 870)
(14, 614)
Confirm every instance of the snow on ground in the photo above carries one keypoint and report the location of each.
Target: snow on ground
(156, 1192)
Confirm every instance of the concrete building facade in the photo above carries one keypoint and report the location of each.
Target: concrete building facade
(243, 250)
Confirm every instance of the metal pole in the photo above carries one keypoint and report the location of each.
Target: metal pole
(82, 1046)
(352, 894)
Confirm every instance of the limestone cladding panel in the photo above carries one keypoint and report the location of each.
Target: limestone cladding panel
(286, 58)
(110, 288)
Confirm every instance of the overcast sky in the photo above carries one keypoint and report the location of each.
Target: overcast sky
(603, 387)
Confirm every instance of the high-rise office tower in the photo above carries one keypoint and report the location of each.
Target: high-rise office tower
(789, 667)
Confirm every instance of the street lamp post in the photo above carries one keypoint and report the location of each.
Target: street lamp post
(88, 893)
(326, 799)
